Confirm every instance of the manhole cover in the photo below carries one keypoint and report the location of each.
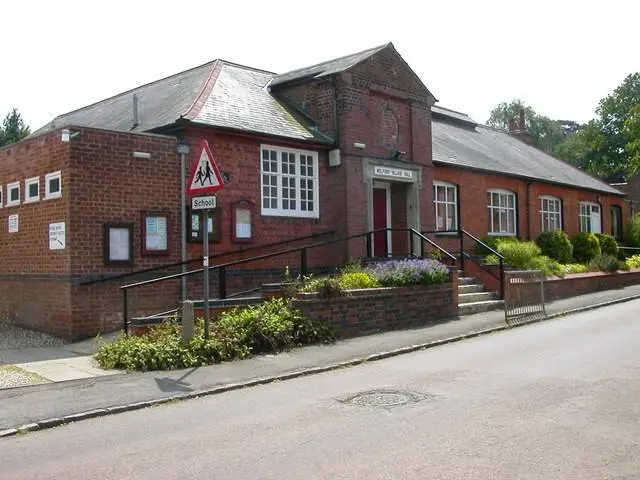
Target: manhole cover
(386, 398)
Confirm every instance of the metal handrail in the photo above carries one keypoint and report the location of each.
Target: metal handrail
(480, 242)
(222, 268)
(103, 279)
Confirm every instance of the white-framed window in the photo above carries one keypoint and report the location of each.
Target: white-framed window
(590, 217)
(1, 196)
(32, 190)
(550, 213)
(445, 200)
(502, 212)
(13, 194)
(52, 185)
(289, 182)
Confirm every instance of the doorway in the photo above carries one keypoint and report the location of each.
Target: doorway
(381, 218)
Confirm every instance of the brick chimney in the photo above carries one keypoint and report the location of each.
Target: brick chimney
(518, 129)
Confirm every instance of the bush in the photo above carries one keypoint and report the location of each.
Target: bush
(556, 244)
(608, 244)
(355, 280)
(604, 263)
(326, 287)
(585, 247)
(575, 268)
(269, 327)
(397, 273)
(492, 241)
(548, 266)
(491, 259)
(633, 231)
(518, 254)
(633, 262)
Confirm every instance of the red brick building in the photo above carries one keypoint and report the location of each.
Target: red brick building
(346, 146)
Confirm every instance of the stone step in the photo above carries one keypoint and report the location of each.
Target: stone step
(467, 281)
(476, 297)
(477, 307)
(472, 288)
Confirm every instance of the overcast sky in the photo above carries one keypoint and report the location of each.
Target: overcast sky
(561, 57)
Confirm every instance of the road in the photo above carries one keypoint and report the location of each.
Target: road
(553, 400)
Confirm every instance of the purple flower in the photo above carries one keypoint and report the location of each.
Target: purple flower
(409, 272)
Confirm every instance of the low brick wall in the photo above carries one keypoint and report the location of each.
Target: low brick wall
(368, 311)
(581, 284)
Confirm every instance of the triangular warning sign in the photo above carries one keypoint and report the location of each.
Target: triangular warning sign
(205, 176)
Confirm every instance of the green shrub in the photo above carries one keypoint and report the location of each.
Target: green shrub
(355, 280)
(492, 241)
(491, 259)
(633, 231)
(518, 254)
(623, 266)
(585, 247)
(556, 244)
(434, 254)
(271, 326)
(548, 266)
(633, 262)
(608, 244)
(604, 263)
(575, 268)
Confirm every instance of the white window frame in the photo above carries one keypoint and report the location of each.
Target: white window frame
(555, 213)
(279, 211)
(12, 186)
(454, 224)
(585, 214)
(490, 207)
(27, 183)
(1, 196)
(48, 195)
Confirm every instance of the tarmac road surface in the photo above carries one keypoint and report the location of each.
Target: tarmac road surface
(553, 400)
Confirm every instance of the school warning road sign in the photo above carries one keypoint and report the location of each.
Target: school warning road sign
(205, 175)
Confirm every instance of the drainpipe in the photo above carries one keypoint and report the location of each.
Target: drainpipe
(528, 210)
(183, 151)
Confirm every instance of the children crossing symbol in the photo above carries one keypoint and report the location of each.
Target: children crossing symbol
(205, 176)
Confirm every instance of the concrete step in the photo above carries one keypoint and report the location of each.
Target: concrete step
(476, 297)
(473, 288)
(467, 281)
(477, 307)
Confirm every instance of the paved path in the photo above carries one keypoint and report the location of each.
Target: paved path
(552, 400)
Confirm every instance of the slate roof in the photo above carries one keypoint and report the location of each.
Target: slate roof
(327, 68)
(485, 148)
(238, 99)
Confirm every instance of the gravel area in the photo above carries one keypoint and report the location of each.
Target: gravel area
(11, 376)
(12, 338)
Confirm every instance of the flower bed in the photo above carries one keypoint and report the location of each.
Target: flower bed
(412, 293)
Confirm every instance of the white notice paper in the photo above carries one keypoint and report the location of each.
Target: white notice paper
(119, 244)
(156, 234)
(57, 236)
(13, 223)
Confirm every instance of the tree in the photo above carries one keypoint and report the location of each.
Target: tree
(13, 128)
(615, 140)
(546, 133)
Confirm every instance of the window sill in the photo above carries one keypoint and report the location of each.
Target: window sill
(52, 197)
(282, 214)
(501, 234)
(446, 234)
(13, 204)
(32, 200)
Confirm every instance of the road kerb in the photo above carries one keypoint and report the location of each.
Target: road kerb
(49, 423)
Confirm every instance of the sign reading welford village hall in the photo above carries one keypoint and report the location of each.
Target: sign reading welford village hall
(393, 173)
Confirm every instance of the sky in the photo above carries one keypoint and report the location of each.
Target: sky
(561, 57)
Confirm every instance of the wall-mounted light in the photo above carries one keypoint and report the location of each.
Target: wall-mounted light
(359, 145)
(145, 155)
(67, 135)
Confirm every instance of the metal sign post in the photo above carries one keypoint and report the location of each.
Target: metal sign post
(205, 178)
(205, 272)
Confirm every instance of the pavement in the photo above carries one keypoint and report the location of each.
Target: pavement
(552, 400)
(77, 389)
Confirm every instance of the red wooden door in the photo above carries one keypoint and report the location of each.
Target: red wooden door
(380, 221)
